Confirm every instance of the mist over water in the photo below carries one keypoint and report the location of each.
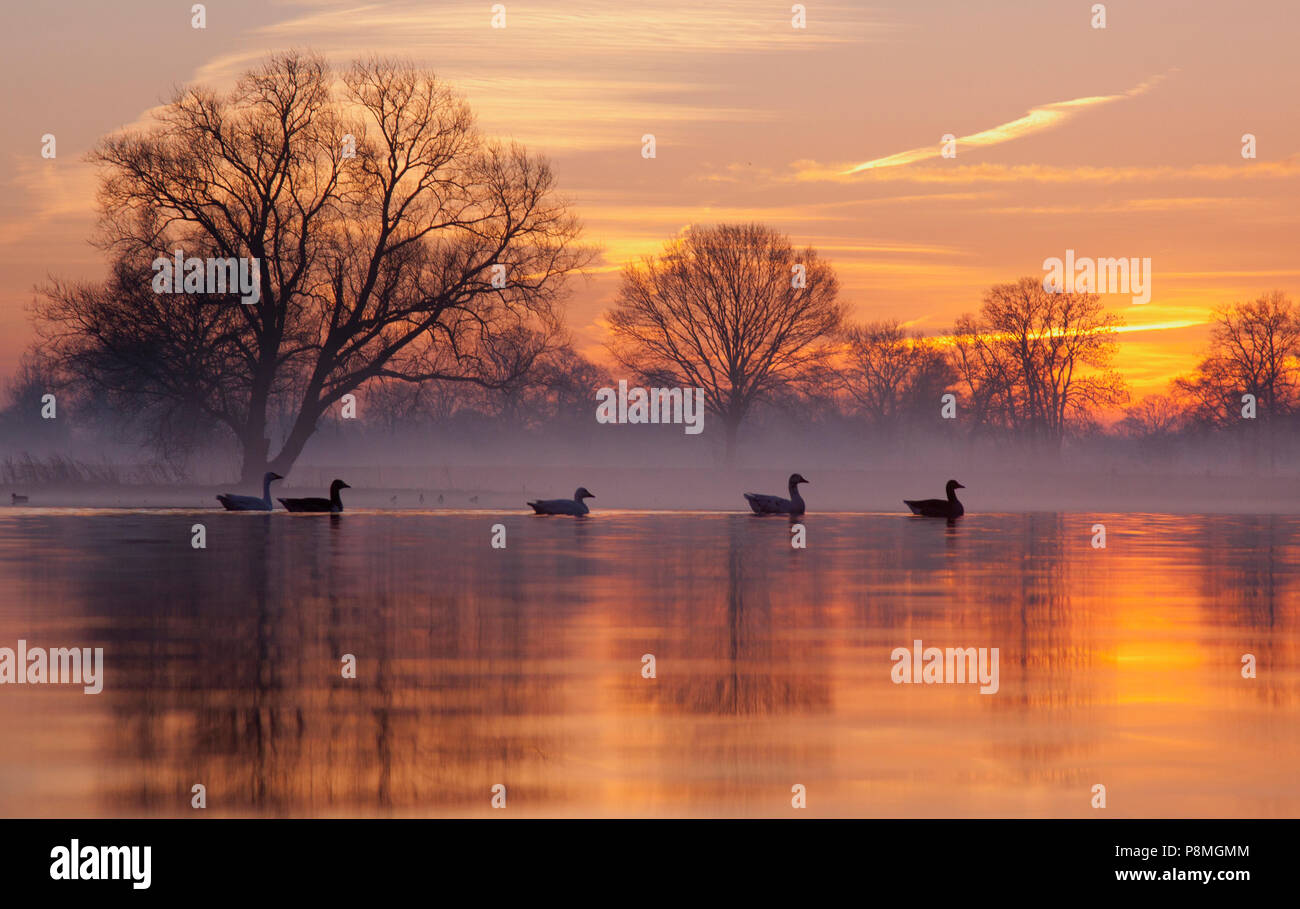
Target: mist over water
(523, 666)
(661, 467)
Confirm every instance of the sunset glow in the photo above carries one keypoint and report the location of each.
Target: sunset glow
(1123, 141)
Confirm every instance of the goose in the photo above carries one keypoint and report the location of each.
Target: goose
(232, 502)
(333, 504)
(574, 506)
(764, 504)
(16, 499)
(939, 508)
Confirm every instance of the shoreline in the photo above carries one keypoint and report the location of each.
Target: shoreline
(667, 489)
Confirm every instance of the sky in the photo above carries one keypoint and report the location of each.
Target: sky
(1123, 141)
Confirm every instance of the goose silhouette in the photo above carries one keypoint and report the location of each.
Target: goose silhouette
(16, 499)
(765, 504)
(333, 504)
(939, 508)
(232, 502)
(574, 506)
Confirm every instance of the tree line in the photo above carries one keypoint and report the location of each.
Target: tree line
(409, 260)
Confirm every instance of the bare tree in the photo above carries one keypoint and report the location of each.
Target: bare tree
(1153, 417)
(1254, 349)
(383, 222)
(892, 374)
(733, 309)
(1034, 362)
(22, 400)
(1154, 423)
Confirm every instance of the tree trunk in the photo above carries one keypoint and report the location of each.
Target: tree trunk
(255, 446)
(303, 427)
(732, 427)
(255, 443)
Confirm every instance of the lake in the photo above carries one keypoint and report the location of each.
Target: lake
(773, 667)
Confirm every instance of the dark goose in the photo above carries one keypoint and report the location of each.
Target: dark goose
(939, 508)
(765, 504)
(574, 506)
(333, 504)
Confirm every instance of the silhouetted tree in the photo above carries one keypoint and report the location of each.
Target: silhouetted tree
(1155, 416)
(22, 400)
(1254, 349)
(726, 309)
(377, 265)
(893, 375)
(1155, 423)
(1034, 362)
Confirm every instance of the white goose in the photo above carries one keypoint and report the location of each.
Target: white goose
(574, 506)
(765, 504)
(250, 503)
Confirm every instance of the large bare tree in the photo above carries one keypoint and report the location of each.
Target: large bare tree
(379, 216)
(1033, 361)
(734, 309)
(892, 374)
(1254, 349)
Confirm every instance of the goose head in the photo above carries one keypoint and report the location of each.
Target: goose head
(582, 493)
(796, 479)
(271, 475)
(336, 486)
(952, 487)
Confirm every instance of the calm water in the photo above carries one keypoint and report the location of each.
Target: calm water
(522, 666)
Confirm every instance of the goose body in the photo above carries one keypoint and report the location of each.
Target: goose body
(939, 508)
(332, 505)
(232, 502)
(765, 504)
(574, 506)
(16, 499)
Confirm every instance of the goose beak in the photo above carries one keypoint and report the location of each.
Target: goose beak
(959, 486)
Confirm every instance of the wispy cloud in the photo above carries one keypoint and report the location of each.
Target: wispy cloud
(1036, 120)
(581, 76)
(39, 192)
(811, 171)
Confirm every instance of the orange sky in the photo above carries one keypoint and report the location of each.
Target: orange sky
(1123, 141)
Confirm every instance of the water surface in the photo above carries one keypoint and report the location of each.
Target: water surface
(523, 666)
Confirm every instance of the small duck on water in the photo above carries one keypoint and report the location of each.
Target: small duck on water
(332, 505)
(765, 504)
(574, 506)
(939, 508)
